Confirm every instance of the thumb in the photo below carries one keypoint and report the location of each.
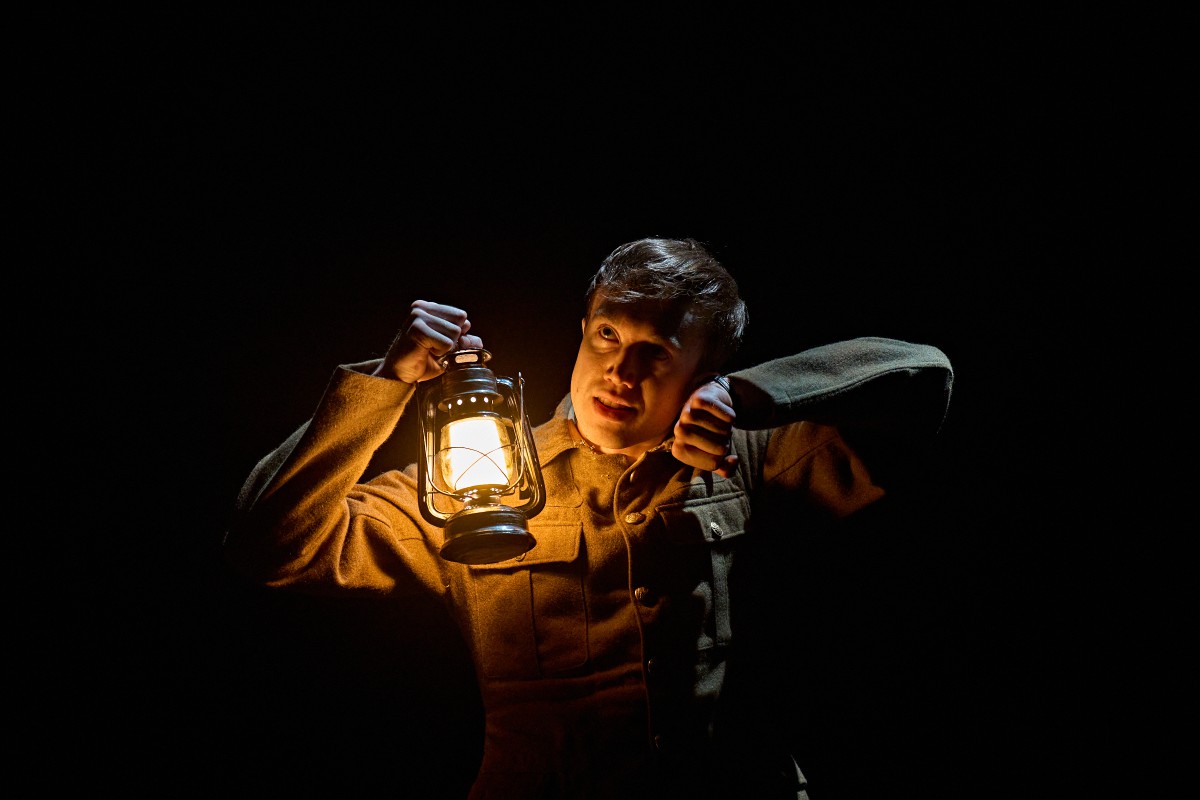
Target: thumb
(727, 466)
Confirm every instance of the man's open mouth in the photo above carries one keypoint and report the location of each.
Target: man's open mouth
(612, 409)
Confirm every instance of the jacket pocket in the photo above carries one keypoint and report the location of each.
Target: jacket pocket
(708, 530)
(706, 520)
(528, 616)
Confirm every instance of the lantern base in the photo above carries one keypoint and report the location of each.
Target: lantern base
(486, 535)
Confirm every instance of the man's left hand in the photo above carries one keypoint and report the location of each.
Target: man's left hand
(702, 434)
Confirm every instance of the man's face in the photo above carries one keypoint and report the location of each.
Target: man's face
(633, 372)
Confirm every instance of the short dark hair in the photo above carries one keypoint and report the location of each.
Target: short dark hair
(678, 274)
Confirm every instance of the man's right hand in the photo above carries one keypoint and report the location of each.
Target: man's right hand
(430, 331)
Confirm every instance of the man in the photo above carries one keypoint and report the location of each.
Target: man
(604, 654)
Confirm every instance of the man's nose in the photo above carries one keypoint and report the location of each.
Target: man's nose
(626, 369)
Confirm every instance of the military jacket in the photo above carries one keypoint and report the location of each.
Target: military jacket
(601, 653)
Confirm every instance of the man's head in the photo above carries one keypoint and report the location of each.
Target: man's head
(662, 316)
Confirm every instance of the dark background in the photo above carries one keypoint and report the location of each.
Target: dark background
(259, 196)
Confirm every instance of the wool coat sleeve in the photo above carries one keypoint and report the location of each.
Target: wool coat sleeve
(843, 421)
(303, 519)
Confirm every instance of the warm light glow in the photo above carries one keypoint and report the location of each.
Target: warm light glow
(477, 451)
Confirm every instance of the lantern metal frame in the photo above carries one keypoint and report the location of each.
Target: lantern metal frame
(479, 527)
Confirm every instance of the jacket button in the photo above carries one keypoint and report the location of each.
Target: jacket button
(634, 518)
(716, 530)
(659, 742)
(650, 665)
(642, 593)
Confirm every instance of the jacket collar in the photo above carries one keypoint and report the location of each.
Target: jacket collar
(553, 437)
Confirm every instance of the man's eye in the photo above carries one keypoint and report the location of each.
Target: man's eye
(607, 332)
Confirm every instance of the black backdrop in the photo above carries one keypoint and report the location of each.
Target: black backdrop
(262, 195)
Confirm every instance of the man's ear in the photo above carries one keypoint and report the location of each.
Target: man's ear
(703, 377)
(583, 325)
